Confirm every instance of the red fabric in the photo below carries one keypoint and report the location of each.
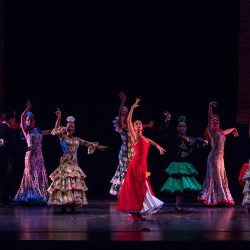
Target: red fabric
(242, 173)
(133, 189)
(15, 125)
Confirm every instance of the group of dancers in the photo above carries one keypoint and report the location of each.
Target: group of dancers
(130, 183)
(67, 188)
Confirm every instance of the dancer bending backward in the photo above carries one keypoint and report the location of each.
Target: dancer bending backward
(215, 190)
(126, 151)
(182, 173)
(68, 186)
(34, 184)
(136, 196)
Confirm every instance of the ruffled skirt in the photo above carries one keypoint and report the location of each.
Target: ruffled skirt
(68, 186)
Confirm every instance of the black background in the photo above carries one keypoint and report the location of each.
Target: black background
(176, 55)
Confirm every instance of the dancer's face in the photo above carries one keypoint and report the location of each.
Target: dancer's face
(215, 123)
(70, 128)
(30, 121)
(182, 128)
(138, 126)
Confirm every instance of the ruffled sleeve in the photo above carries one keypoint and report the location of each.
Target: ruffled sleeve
(91, 145)
(196, 143)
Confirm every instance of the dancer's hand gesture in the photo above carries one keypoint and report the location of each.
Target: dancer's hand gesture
(168, 116)
(122, 96)
(136, 103)
(213, 104)
(28, 105)
(162, 150)
(58, 112)
(235, 133)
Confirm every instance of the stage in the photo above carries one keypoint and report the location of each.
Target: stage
(99, 225)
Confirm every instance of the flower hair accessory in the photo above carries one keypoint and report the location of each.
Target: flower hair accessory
(182, 118)
(70, 119)
(29, 114)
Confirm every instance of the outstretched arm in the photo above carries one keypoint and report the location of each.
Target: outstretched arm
(130, 123)
(120, 117)
(92, 146)
(161, 150)
(231, 130)
(150, 124)
(23, 117)
(46, 132)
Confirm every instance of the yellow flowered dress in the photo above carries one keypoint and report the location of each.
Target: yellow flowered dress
(68, 186)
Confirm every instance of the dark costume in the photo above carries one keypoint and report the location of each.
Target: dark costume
(182, 173)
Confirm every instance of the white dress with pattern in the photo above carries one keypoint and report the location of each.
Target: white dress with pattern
(34, 184)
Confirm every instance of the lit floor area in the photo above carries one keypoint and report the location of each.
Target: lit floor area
(99, 225)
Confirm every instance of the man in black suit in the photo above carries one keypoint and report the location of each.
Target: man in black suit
(8, 146)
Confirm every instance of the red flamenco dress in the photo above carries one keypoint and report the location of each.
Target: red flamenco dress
(242, 173)
(136, 194)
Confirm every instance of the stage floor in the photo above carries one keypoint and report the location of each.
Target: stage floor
(100, 222)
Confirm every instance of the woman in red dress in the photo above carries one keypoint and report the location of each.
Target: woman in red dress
(136, 196)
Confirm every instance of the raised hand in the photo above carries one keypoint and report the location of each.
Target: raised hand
(28, 104)
(101, 147)
(168, 115)
(58, 112)
(136, 103)
(213, 104)
(122, 96)
(235, 133)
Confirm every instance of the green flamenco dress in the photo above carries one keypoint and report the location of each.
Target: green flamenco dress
(182, 174)
(182, 178)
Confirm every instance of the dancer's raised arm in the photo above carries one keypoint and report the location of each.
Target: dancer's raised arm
(59, 117)
(130, 123)
(210, 114)
(121, 123)
(23, 118)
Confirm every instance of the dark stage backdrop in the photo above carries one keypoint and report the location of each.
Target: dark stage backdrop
(78, 56)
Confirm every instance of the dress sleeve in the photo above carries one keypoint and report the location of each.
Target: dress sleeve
(91, 145)
(197, 142)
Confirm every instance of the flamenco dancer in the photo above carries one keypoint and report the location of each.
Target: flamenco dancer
(68, 188)
(182, 173)
(126, 151)
(136, 196)
(215, 190)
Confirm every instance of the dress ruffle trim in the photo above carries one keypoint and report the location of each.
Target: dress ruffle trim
(180, 169)
(180, 185)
